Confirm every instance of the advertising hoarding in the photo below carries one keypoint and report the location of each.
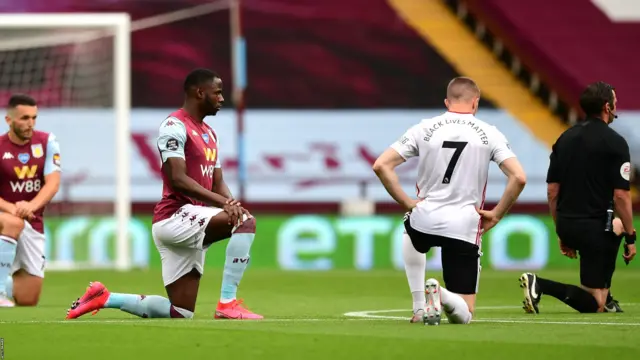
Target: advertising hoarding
(311, 242)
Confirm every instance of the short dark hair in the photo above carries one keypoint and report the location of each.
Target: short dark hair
(595, 96)
(462, 88)
(198, 77)
(21, 99)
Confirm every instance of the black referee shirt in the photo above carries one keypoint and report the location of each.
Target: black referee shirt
(589, 160)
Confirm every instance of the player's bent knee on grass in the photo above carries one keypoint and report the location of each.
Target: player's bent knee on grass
(25, 278)
(458, 308)
(10, 229)
(183, 293)
(470, 300)
(26, 288)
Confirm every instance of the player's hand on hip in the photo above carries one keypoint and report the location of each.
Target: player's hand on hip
(488, 218)
(25, 210)
(631, 252)
(411, 204)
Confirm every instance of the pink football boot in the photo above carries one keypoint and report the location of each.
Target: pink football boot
(235, 310)
(92, 301)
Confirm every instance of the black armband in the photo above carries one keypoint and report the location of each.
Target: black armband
(630, 239)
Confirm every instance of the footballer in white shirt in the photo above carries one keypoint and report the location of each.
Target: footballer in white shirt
(455, 150)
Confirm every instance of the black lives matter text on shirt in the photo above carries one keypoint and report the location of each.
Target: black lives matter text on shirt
(172, 144)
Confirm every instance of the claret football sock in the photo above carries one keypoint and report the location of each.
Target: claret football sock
(152, 306)
(414, 267)
(237, 259)
(455, 307)
(572, 295)
(7, 255)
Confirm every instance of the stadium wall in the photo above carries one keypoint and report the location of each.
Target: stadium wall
(311, 242)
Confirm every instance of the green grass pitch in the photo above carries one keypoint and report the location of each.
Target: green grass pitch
(313, 316)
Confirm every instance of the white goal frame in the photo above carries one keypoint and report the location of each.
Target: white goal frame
(120, 25)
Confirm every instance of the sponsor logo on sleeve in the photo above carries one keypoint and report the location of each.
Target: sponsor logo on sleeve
(625, 171)
(172, 144)
(56, 159)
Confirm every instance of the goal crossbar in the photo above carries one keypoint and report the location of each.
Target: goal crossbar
(67, 20)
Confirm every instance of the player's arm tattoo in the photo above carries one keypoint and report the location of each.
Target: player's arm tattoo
(219, 185)
(384, 167)
(48, 191)
(175, 169)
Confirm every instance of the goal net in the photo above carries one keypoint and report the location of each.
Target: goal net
(77, 67)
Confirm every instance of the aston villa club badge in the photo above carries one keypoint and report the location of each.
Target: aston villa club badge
(36, 151)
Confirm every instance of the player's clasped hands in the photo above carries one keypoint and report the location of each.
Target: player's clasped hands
(24, 210)
(235, 211)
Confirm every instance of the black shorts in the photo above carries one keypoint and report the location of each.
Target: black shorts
(597, 249)
(460, 259)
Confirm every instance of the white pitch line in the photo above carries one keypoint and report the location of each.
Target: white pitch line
(151, 321)
(148, 321)
(350, 316)
(369, 315)
(493, 307)
(162, 321)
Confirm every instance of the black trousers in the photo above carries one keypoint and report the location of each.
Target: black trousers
(597, 249)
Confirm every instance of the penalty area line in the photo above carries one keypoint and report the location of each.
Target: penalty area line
(372, 315)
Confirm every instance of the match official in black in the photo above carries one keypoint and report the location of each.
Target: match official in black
(588, 179)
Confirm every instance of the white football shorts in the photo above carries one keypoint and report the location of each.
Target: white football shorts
(179, 240)
(30, 252)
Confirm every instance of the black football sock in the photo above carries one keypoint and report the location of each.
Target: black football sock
(572, 295)
(609, 298)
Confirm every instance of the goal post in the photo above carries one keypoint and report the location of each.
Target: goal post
(25, 31)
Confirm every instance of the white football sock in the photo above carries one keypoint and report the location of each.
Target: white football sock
(414, 266)
(455, 307)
